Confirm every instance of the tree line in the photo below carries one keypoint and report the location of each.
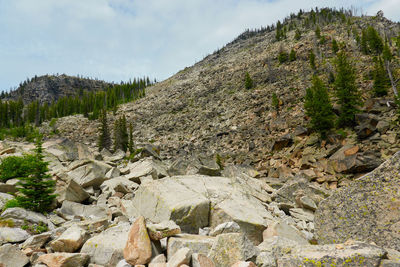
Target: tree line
(90, 104)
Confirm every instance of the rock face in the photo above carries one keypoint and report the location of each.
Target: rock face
(138, 245)
(368, 210)
(203, 200)
(48, 88)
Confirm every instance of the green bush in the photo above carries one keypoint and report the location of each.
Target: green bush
(248, 82)
(12, 203)
(13, 167)
(292, 55)
(283, 56)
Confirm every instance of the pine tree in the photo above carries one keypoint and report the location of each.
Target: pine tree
(36, 187)
(318, 32)
(104, 136)
(364, 42)
(312, 60)
(248, 82)
(335, 46)
(346, 90)
(318, 107)
(297, 34)
(292, 55)
(120, 134)
(381, 81)
(282, 56)
(131, 145)
(387, 54)
(375, 42)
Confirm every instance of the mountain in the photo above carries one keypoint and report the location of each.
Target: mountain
(206, 109)
(49, 88)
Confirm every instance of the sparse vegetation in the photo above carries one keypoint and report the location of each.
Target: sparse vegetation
(248, 81)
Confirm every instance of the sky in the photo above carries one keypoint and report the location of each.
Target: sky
(116, 40)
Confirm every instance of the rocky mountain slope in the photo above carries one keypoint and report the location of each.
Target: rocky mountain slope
(49, 88)
(112, 212)
(205, 109)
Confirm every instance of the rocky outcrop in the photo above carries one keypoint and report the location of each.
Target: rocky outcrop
(366, 210)
(49, 88)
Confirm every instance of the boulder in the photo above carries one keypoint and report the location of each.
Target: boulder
(158, 201)
(202, 201)
(23, 215)
(163, 229)
(107, 247)
(64, 259)
(37, 241)
(71, 240)
(224, 228)
(138, 245)
(201, 260)
(146, 167)
(86, 211)
(346, 161)
(4, 198)
(291, 191)
(118, 184)
(11, 256)
(117, 156)
(355, 254)
(196, 244)
(91, 174)
(368, 209)
(274, 248)
(282, 142)
(181, 257)
(231, 248)
(282, 229)
(244, 264)
(7, 188)
(72, 191)
(13, 235)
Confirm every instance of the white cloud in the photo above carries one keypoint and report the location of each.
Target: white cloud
(120, 39)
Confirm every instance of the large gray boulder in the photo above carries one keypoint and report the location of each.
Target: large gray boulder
(196, 243)
(367, 210)
(4, 198)
(11, 256)
(86, 211)
(107, 248)
(13, 235)
(91, 174)
(146, 167)
(71, 191)
(202, 201)
(20, 215)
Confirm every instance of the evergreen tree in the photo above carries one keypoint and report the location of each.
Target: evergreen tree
(282, 56)
(312, 60)
(318, 107)
(104, 136)
(120, 134)
(387, 54)
(297, 34)
(375, 42)
(381, 81)
(36, 187)
(318, 32)
(335, 46)
(292, 55)
(364, 42)
(275, 101)
(248, 82)
(346, 91)
(131, 145)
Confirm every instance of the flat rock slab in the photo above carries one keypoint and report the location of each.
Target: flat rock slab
(64, 259)
(367, 210)
(11, 256)
(86, 211)
(357, 254)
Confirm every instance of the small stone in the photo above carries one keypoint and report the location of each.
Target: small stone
(64, 259)
(308, 203)
(244, 264)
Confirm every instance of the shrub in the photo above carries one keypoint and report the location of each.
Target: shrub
(12, 167)
(312, 60)
(335, 46)
(292, 55)
(283, 56)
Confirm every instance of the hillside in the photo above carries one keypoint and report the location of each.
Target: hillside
(205, 109)
(49, 88)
